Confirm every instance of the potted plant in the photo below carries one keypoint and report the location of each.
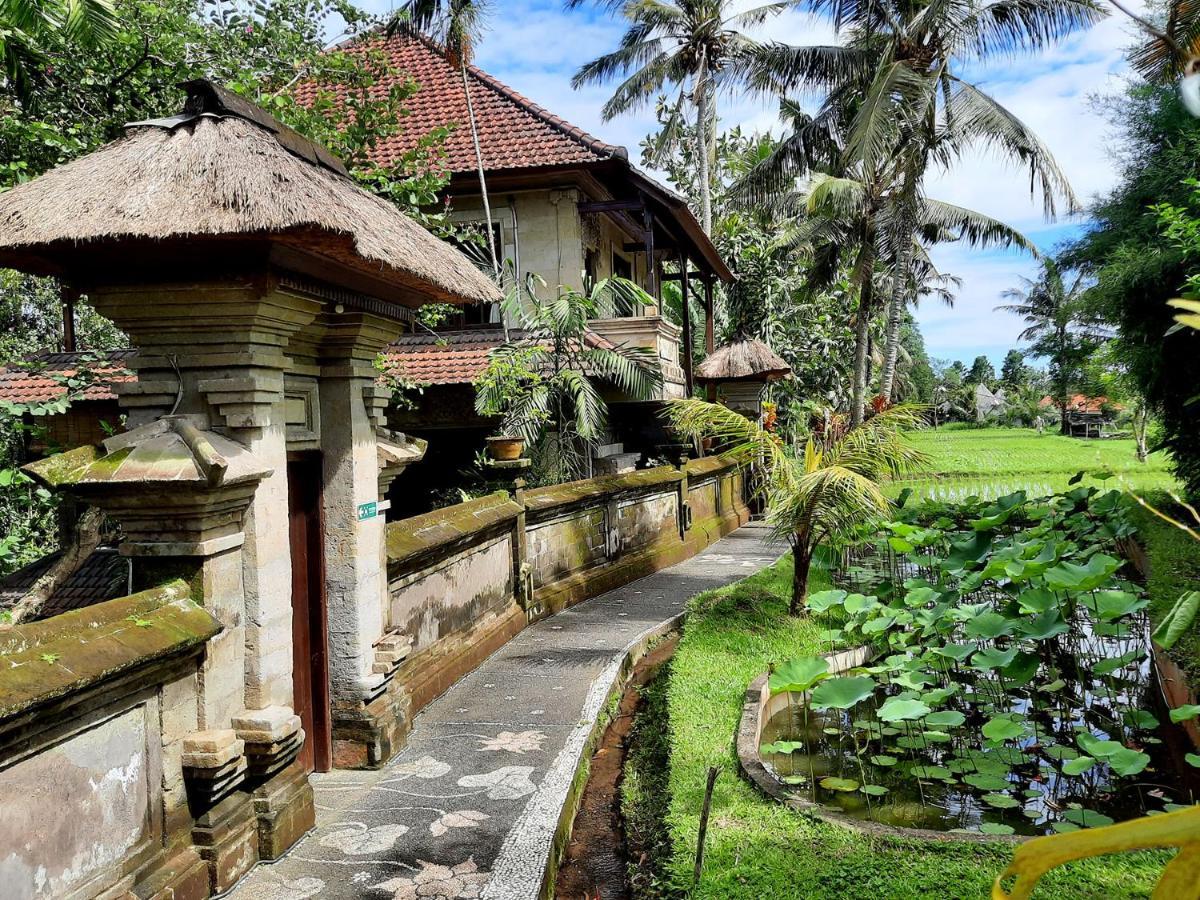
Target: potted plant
(503, 447)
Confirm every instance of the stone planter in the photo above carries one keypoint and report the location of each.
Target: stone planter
(758, 708)
(505, 448)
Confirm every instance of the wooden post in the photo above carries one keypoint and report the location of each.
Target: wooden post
(708, 792)
(687, 325)
(651, 267)
(69, 295)
(709, 333)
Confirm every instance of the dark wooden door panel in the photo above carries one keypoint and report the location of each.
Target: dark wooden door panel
(310, 662)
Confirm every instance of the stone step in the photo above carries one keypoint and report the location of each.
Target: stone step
(608, 450)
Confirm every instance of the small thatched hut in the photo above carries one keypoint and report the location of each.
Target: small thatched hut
(739, 371)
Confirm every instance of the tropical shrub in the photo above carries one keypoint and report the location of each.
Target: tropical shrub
(825, 493)
(544, 382)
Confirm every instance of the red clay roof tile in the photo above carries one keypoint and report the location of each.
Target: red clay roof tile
(514, 132)
(40, 381)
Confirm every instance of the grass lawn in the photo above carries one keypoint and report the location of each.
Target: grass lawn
(759, 849)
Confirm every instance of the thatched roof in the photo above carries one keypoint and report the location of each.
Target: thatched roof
(213, 180)
(743, 359)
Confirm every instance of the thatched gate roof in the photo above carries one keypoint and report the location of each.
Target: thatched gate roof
(213, 180)
(743, 359)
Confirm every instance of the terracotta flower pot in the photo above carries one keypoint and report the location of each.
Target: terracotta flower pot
(505, 448)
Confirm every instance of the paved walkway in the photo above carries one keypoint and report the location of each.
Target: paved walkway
(469, 808)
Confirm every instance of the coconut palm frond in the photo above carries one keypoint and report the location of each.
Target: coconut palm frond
(975, 228)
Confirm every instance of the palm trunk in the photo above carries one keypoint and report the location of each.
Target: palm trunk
(802, 562)
(483, 191)
(896, 306)
(862, 337)
(703, 148)
(1141, 417)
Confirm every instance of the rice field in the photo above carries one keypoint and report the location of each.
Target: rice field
(992, 462)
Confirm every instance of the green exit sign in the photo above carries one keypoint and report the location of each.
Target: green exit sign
(367, 511)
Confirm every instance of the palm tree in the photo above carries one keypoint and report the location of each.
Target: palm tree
(843, 217)
(25, 24)
(894, 93)
(826, 493)
(457, 26)
(695, 45)
(1052, 307)
(542, 383)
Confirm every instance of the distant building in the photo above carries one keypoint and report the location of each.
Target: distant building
(987, 403)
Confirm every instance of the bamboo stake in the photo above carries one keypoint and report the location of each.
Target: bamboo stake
(708, 792)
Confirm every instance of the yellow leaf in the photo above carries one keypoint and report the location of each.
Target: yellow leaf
(1180, 879)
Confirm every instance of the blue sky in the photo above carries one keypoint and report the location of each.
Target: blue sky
(535, 46)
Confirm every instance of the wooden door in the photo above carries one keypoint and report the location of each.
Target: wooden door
(310, 659)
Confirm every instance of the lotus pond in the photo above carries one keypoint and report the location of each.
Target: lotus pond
(1011, 688)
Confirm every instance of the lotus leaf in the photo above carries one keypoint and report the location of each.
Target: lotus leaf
(996, 828)
(897, 710)
(1128, 762)
(823, 601)
(1021, 670)
(940, 695)
(842, 693)
(1108, 666)
(831, 636)
(783, 747)
(986, 782)
(935, 737)
(931, 773)
(1193, 759)
(999, 513)
(956, 652)
(856, 603)
(964, 554)
(1068, 576)
(1038, 600)
(1064, 827)
(949, 718)
(1110, 605)
(1176, 622)
(912, 680)
(878, 625)
(1098, 747)
(875, 790)
(1001, 801)
(1003, 728)
(1087, 818)
(1059, 752)
(1044, 626)
(1078, 766)
(797, 675)
(882, 759)
(845, 785)
(990, 658)
(1185, 712)
(921, 596)
(1140, 719)
(989, 625)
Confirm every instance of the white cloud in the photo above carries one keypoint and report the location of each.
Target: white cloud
(535, 46)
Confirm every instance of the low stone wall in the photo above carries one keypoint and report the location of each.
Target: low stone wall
(465, 579)
(95, 708)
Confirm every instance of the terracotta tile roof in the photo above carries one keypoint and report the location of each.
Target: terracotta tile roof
(454, 357)
(514, 132)
(102, 576)
(38, 379)
(1081, 403)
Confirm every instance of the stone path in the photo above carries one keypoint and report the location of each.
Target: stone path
(469, 808)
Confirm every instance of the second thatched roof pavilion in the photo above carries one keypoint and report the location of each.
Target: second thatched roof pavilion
(738, 372)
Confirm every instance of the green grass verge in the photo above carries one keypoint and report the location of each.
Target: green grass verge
(758, 848)
(1174, 559)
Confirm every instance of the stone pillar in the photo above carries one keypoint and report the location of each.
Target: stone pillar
(218, 351)
(368, 720)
